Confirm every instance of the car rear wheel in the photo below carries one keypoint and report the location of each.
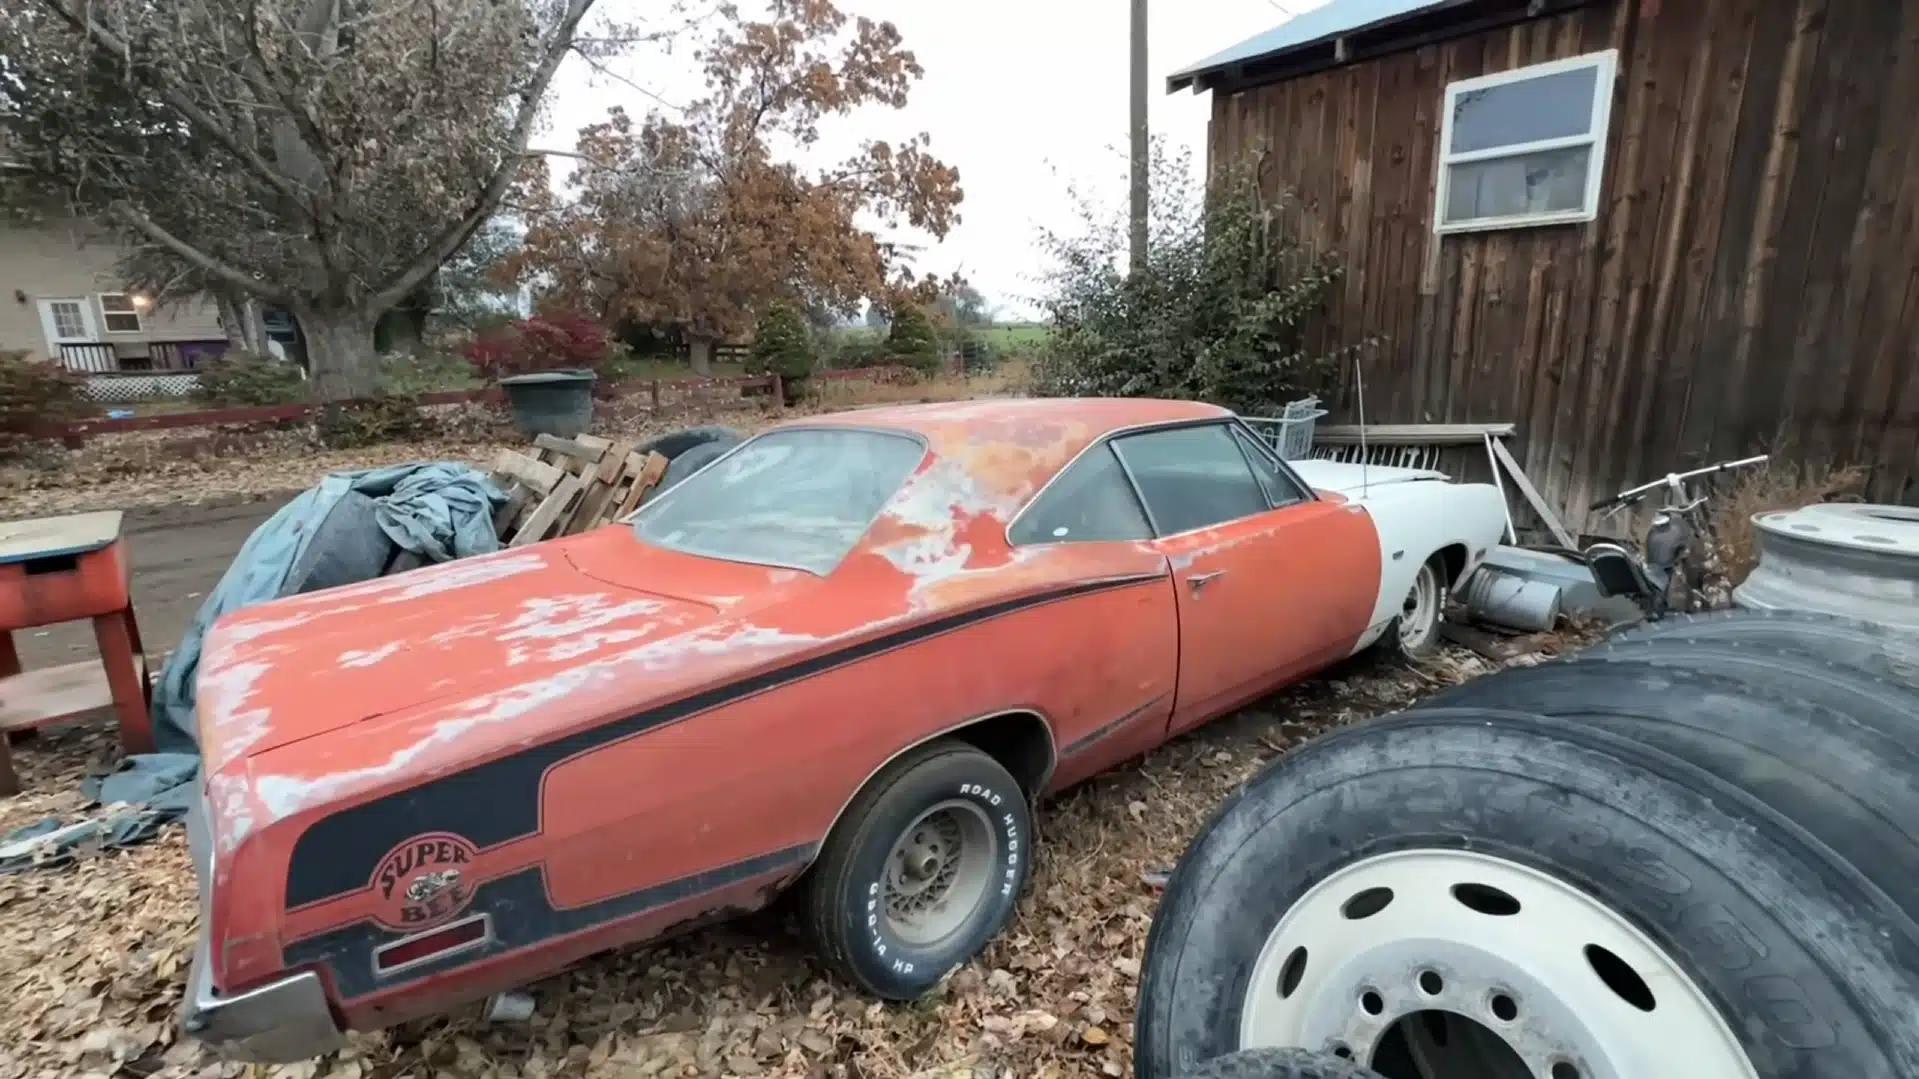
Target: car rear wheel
(1489, 895)
(922, 870)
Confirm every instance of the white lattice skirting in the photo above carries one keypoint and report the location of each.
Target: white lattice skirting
(114, 389)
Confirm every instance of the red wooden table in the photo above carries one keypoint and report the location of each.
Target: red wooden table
(65, 569)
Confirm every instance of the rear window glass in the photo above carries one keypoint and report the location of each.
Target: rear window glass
(786, 498)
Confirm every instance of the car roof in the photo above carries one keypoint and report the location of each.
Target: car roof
(1008, 447)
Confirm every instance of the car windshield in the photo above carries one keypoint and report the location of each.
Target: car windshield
(799, 498)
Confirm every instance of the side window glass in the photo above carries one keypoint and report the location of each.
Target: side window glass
(1280, 488)
(1090, 502)
(1191, 477)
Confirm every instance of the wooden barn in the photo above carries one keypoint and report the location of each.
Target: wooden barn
(1650, 233)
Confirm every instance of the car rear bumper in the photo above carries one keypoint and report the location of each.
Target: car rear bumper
(282, 1021)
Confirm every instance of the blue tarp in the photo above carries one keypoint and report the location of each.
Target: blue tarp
(439, 511)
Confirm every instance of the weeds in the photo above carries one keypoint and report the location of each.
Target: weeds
(1781, 485)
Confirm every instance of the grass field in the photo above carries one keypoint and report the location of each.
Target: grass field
(1023, 335)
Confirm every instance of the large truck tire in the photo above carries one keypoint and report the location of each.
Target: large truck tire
(1509, 896)
(1876, 649)
(673, 444)
(1848, 780)
(1280, 1064)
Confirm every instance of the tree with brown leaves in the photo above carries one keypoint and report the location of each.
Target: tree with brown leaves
(688, 221)
(326, 157)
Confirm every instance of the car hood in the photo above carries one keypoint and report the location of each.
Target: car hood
(290, 669)
(1354, 479)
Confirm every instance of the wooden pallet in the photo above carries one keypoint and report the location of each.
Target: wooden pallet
(565, 486)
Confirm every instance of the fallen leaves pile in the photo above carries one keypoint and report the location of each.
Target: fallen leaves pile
(93, 957)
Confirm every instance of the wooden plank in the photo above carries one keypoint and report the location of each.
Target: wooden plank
(510, 511)
(652, 467)
(594, 442)
(1403, 434)
(593, 506)
(539, 475)
(613, 460)
(1545, 512)
(548, 514)
(578, 451)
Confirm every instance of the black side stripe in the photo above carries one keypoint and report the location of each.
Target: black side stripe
(522, 916)
(499, 801)
(1099, 734)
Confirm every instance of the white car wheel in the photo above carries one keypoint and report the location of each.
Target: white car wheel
(1473, 966)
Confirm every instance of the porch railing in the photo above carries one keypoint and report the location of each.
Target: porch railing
(163, 357)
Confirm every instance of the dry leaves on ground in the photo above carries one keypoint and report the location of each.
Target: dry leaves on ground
(92, 957)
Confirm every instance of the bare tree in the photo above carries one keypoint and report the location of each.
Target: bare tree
(326, 156)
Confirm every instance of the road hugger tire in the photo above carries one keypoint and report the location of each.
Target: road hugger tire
(1537, 877)
(1878, 650)
(923, 868)
(1279, 1064)
(1842, 777)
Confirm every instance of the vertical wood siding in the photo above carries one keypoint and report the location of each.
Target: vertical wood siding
(1752, 281)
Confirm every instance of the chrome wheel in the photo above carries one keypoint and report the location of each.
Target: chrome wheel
(938, 872)
(1458, 965)
(1419, 615)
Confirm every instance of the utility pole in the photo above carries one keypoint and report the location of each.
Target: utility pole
(1136, 256)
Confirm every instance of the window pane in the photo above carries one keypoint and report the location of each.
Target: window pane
(117, 323)
(1091, 501)
(67, 322)
(1192, 477)
(1553, 106)
(112, 302)
(787, 498)
(1552, 181)
(1280, 490)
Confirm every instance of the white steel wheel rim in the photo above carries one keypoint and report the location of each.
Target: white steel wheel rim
(938, 871)
(1565, 1021)
(1420, 613)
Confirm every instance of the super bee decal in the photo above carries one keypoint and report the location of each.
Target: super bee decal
(421, 882)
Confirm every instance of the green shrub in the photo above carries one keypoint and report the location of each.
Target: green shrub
(406, 375)
(1225, 309)
(914, 341)
(35, 394)
(860, 350)
(242, 380)
(783, 346)
(352, 424)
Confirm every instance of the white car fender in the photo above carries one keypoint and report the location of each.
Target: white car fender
(1418, 519)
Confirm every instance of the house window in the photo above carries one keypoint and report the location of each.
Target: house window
(1525, 147)
(69, 321)
(120, 313)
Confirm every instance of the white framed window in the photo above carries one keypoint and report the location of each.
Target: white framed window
(119, 313)
(1525, 147)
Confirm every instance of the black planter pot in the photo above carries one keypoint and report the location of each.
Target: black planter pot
(557, 403)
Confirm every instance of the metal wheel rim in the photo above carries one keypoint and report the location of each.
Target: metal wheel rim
(1420, 612)
(1524, 974)
(938, 872)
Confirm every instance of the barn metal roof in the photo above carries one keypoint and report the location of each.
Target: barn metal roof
(1336, 19)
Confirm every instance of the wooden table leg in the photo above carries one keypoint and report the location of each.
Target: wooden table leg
(115, 635)
(9, 780)
(9, 659)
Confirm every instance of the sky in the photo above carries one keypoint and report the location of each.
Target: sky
(1027, 98)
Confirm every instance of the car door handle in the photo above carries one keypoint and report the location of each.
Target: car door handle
(1198, 581)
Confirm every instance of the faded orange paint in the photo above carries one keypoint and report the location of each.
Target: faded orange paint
(320, 709)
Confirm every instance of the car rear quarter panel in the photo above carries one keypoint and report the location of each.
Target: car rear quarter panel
(581, 842)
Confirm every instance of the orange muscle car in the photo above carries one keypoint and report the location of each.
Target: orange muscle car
(850, 653)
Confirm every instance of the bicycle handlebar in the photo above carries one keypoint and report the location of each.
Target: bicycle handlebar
(1635, 494)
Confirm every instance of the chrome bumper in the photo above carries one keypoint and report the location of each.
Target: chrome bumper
(280, 1022)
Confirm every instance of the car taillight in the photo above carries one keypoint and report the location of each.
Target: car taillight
(461, 935)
